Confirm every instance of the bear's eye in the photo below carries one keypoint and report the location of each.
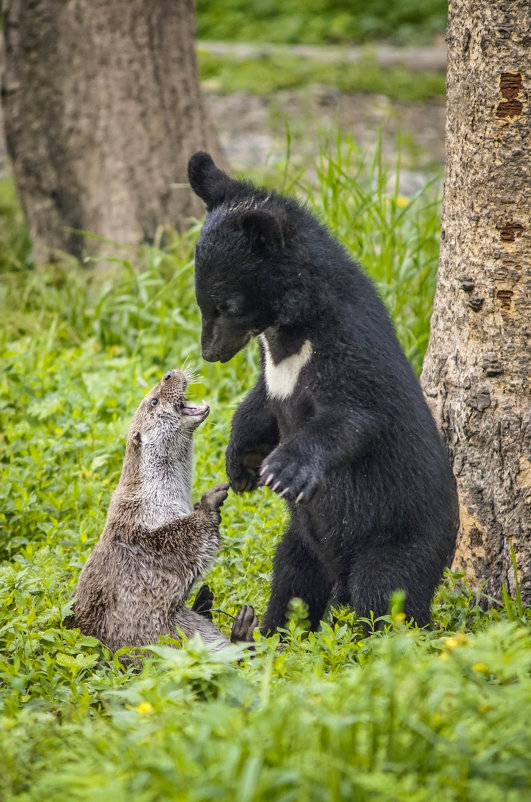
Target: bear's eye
(154, 402)
(230, 308)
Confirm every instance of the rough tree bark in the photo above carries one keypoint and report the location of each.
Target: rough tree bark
(102, 110)
(477, 365)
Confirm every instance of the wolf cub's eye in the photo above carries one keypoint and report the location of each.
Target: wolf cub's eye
(154, 402)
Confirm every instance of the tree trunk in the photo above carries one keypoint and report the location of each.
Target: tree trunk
(102, 111)
(476, 368)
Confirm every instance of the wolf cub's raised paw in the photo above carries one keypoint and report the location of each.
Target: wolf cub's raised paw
(244, 625)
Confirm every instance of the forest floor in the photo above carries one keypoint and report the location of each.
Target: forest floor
(253, 128)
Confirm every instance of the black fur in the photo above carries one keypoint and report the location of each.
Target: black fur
(203, 602)
(355, 442)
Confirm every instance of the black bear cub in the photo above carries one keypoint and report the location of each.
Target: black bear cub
(336, 423)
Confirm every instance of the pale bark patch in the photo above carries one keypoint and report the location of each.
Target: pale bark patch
(470, 555)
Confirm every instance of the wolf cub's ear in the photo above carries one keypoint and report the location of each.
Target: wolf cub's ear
(208, 181)
(263, 229)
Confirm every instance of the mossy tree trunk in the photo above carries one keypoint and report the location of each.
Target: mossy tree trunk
(477, 366)
(102, 110)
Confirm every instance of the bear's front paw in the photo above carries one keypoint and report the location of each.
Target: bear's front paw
(291, 478)
(244, 625)
(243, 469)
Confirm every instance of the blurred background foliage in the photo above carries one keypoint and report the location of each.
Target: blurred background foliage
(321, 21)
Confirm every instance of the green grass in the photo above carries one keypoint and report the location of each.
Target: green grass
(320, 21)
(402, 715)
(270, 73)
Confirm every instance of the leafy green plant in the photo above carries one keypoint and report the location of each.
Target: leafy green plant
(15, 247)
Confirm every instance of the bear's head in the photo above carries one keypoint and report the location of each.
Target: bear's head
(241, 260)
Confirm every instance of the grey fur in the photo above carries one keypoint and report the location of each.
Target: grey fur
(154, 545)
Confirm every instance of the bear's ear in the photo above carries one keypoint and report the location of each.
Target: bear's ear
(263, 229)
(208, 181)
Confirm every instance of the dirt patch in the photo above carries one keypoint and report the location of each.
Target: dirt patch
(414, 59)
(253, 128)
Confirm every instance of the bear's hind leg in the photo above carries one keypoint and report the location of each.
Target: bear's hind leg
(378, 572)
(297, 572)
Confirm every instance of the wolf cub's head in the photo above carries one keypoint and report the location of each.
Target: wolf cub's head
(242, 261)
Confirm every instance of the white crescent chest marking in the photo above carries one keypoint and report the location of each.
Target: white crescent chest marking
(281, 379)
